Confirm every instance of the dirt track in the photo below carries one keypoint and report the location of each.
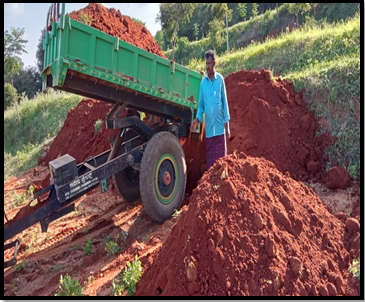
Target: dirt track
(244, 232)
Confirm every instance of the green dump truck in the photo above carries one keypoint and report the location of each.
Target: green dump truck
(145, 160)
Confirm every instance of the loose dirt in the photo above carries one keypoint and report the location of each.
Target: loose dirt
(267, 225)
(250, 230)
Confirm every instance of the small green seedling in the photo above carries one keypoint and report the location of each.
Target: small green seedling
(69, 287)
(88, 247)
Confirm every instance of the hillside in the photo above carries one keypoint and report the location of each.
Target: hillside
(279, 216)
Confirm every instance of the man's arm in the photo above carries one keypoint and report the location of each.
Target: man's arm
(199, 114)
(225, 109)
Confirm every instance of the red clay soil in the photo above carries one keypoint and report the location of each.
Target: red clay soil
(112, 22)
(250, 230)
(269, 119)
(77, 135)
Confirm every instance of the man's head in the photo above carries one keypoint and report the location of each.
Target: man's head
(210, 62)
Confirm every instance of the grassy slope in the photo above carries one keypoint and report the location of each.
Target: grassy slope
(40, 121)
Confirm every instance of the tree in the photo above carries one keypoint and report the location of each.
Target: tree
(8, 95)
(13, 47)
(242, 7)
(40, 52)
(196, 31)
(229, 14)
(277, 14)
(314, 5)
(28, 81)
(159, 38)
(255, 9)
(170, 15)
(182, 52)
(215, 34)
(297, 8)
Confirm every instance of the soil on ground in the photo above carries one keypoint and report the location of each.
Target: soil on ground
(266, 220)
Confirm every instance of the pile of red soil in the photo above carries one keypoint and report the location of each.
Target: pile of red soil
(269, 119)
(250, 230)
(112, 22)
(77, 135)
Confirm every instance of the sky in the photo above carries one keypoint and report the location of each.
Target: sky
(32, 17)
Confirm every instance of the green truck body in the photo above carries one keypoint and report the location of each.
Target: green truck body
(74, 50)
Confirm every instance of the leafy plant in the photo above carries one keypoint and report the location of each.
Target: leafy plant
(354, 268)
(131, 275)
(116, 288)
(21, 265)
(14, 285)
(111, 247)
(86, 19)
(177, 213)
(128, 279)
(88, 247)
(69, 287)
(97, 126)
(56, 268)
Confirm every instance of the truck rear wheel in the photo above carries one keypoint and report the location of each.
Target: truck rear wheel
(127, 182)
(162, 176)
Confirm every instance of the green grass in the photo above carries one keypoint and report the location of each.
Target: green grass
(40, 120)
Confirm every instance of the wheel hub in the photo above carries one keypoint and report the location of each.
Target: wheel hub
(167, 178)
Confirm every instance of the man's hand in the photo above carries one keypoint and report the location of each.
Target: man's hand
(228, 131)
(194, 124)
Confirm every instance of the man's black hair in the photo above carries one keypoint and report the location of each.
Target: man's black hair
(210, 53)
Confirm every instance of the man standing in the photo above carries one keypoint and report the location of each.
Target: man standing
(213, 102)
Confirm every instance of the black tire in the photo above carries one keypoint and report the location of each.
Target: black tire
(127, 182)
(163, 155)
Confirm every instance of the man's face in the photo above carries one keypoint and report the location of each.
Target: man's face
(209, 65)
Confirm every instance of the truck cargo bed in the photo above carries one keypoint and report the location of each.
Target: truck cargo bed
(83, 60)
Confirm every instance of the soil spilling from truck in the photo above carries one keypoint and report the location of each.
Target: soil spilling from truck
(251, 230)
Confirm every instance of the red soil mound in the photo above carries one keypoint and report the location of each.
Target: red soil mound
(250, 230)
(112, 22)
(270, 120)
(77, 135)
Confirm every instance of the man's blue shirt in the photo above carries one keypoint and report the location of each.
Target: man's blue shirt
(213, 102)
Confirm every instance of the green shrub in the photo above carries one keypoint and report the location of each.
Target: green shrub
(8, 95)
(69, 287)
(129, 279)
(111, 247)
(88, 247)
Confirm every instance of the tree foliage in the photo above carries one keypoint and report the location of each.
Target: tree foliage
(8, 95)
(255, 9)
(40, 52)
(296, 8)
(242, 7)
(159, 38)
(170, 15)
(13, 47)
(27, 81)
(215, 35)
